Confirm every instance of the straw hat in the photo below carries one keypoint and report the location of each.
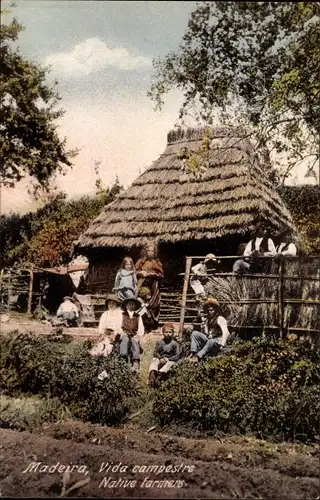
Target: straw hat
(211, 302)
(112, 297)
(68, 298)
(137, 302)
(210, 256)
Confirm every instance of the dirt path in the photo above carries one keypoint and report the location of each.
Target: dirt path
(206, 468)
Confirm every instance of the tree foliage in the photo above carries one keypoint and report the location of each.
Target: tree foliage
(304, 205)
(255, 65)
(29, 142)
(45, 238)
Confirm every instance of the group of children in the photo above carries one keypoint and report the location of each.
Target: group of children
(121, 329)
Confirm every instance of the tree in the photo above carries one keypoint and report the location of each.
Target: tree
(252, 64)
(304, 205)
(45, 237)
(29, 142)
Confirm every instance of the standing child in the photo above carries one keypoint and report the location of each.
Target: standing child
(132, 329)
(126, 284)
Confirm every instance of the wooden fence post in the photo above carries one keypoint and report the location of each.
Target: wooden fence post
(30, 290)
(280, 299)
(9, 290)
(184, 294)
(1, 287)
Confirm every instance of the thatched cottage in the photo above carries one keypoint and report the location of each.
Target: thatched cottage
(203, 194)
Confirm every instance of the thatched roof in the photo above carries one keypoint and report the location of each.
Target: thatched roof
(168, 204)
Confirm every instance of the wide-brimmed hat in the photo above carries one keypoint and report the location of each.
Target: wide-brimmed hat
(211, 302)
(210, 256)
(137, 302)
(68, 298)
(112, 297)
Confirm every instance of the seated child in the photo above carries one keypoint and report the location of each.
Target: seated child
(166, 354)
(132, 329)
(68, 312)
(111, 319)
(104, 345)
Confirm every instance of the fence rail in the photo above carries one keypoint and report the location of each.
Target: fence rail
(281, 278)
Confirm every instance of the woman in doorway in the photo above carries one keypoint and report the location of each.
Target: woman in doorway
(149, 271)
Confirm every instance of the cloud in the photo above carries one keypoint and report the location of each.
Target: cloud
(93, 55)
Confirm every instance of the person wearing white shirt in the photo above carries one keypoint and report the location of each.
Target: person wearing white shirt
(132, 330)
(215, 335)
(68, 311)
(111, 319)
(286, 247)
(261, 244)
(109, 326)
(199, 275)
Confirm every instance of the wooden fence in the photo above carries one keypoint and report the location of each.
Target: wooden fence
(178, 304)
(183, 301)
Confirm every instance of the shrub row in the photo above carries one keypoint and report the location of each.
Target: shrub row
(269, 388)
(54, 367)
(28, 413)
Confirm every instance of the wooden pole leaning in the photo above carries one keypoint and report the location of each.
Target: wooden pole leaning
(184, 294)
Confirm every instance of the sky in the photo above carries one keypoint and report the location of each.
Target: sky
(101, 53)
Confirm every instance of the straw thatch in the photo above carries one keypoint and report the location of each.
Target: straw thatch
(168, 203)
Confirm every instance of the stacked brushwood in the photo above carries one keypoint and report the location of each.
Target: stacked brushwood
(301, 292)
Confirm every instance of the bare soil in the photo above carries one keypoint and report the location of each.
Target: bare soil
(232, 468)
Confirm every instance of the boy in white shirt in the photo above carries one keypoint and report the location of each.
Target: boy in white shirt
(199, 275)
(68, 312)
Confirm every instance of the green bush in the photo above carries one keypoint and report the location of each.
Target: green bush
(27, 361)
(54, 367)
(266, 387)
(27, 413)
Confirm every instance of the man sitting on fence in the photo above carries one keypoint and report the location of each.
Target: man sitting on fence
(286, 246)
(261, 245)
(166, 354)
(68, 313)
(241, 266)
(215, 335)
